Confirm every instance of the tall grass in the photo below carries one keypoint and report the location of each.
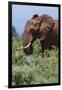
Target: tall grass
(33, 69)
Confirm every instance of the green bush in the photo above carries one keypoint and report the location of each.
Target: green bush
(33, 69)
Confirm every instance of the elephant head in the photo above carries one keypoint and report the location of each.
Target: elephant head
(31, 33)
(36, 27)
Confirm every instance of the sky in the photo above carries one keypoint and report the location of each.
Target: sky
(22, 13)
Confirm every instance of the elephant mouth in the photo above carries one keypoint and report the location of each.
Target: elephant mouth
(28, 48)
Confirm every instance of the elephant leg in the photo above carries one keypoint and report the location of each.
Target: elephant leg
(43, 47)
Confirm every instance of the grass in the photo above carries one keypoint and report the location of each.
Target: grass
(33, 69)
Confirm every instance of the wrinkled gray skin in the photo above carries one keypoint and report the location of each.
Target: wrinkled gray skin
(42, 27)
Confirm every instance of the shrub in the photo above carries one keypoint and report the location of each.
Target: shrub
(33, 69)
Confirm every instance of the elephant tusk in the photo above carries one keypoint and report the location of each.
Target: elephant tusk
(27, 45)
(19, 48)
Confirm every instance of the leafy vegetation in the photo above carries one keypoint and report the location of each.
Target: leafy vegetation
(33, 69)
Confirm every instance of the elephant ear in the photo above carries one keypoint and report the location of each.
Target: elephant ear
(51, 25)
(35, 16)
(46, 19)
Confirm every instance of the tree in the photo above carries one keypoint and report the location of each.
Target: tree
(14, 33)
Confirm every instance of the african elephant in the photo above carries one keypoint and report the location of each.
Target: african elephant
(43, 27)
